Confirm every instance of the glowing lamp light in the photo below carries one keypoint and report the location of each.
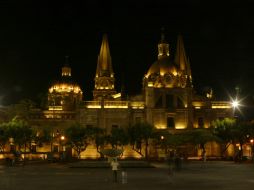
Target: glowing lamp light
(62, 138)
(235, 103)
(251, 140)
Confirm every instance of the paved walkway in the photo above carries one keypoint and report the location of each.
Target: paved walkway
(195, 175)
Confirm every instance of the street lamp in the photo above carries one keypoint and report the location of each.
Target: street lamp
(252, 149)
(62, 138)
(235, 104)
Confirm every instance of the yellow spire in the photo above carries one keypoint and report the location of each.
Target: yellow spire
(163, 46)
(66, 69)
(104, 86)
(181, 58)
(104, 65)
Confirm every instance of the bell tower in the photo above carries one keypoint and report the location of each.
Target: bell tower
(104, 86)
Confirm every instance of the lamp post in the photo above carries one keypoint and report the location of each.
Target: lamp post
(62, 139)
(235, 105)
(252, 149)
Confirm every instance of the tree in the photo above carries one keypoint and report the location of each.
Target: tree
(118, 137)
(232, 131)
(140, 133)
(45, 136)
(79, 137)
(169, 141)
(241, 133)
(223, 129)
(3, 137)
(200, 137)
(20, 131)
(99, 138)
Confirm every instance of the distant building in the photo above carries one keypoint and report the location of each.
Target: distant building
(168, 100)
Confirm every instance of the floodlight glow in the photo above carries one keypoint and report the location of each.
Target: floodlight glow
(235, 103)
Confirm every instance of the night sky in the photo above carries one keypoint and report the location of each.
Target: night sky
(35, 38)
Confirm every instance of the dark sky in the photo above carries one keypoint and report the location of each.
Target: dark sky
(35, 37)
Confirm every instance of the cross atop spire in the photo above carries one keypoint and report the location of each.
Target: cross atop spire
(163, 46)
(162, 35)
(66, 69)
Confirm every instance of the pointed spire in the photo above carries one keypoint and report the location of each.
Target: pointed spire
(104, 86)
(163, 46)
(104, 65)
(181, 58)
(66, 69)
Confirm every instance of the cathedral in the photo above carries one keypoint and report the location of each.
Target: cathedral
(168, 100)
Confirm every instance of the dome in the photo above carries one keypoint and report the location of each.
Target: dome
(65, 86)
(164, 73)
(163, 66)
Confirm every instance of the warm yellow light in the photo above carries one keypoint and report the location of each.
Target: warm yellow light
(118, 95)
(93, 106)
(116, 104)
(55, 108)
(180, 126)
(150, 84)
(160, 126)
(174, 73)
(162, 137)
(251, 140)
(63, 87)
(62, 137)
(198, 104)
(221, 107)
(197, 107)
(137, 105)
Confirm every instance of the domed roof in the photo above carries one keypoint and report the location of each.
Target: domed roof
(65, 84)
(163, 66)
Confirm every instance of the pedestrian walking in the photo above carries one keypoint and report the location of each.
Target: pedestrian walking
(114, 165)
(124, 176)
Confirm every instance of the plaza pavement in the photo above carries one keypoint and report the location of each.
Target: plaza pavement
(213, 175)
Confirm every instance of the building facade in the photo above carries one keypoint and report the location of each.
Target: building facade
(168, 100)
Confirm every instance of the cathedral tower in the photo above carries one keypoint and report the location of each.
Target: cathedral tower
(104, 78)
(167, 88)
(64, 94)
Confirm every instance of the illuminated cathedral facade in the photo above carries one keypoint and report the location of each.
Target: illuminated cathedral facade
(168, 100)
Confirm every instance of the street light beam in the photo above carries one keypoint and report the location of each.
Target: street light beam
(235, 104)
